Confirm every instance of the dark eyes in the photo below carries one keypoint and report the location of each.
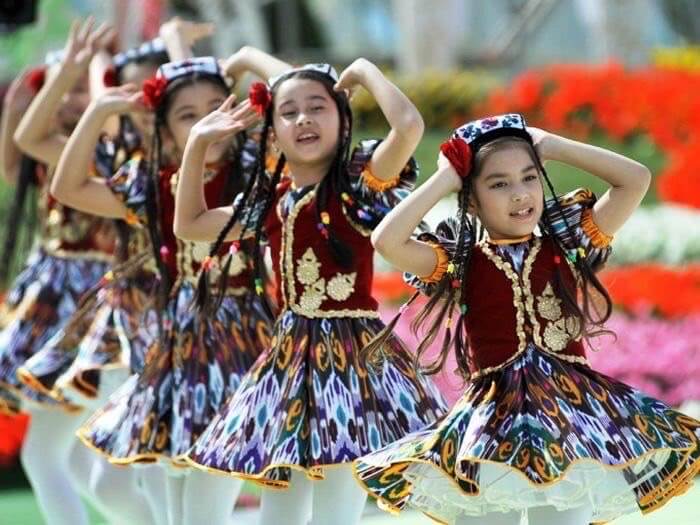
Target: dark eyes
(503, 184)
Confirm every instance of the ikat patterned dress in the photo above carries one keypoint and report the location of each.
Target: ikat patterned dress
(199, 361)
(310, 401)
(105, 340)
(73, 252)
(539, 426)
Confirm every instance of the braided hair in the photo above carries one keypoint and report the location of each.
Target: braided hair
(260, 192)
(448, 296)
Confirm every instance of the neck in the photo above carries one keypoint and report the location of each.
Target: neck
(303, 174)
(516, 240)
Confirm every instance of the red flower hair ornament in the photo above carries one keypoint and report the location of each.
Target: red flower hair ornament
(109, 79)
(36, 79)
(154, 91)
(260, 97)
(458, 152)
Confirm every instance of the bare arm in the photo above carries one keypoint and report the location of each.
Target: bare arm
(252, 60)
(629, 180)
(194, 221)
(34, 134)
(17, 100)
(180, 36)
(392, 238)
(404, 119)
(72, 183)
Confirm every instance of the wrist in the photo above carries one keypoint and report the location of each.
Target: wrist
(448, 179)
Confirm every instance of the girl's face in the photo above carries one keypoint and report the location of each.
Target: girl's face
(189, 105)
(134, 73)
(305, 122)
(508, 194)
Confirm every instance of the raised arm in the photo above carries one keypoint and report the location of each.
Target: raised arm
(252, 60)
(34, 134)
(404, 119)
(180, 36)
(193, 220)
(14, 105)
(629, 180)
(72, 183)
(392, 237)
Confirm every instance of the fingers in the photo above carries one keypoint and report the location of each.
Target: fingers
(85, 30)
(228, 103)
(201, 30)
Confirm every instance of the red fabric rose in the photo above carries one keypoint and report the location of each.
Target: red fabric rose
(36, 79)
(260, 97)
(110, 77)
(459, 154)
(153, 91)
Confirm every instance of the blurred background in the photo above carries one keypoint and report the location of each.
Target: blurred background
(624, 74)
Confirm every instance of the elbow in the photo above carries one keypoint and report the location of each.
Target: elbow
(381, 241)
(182, 231)
(644, 177)
(413, 126)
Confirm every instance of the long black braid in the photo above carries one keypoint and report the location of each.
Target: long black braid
(20, 219)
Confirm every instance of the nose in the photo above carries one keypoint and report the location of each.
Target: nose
(303, 120)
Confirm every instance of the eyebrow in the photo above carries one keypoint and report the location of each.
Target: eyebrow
(503, 175)
(309, 98)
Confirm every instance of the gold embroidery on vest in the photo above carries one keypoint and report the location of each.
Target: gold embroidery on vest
(560, 330)
(316, 291)
(341, 286)
(548, 305)
(308, 268)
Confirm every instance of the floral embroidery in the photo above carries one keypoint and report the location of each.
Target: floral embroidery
(560, 330)
(316, 291)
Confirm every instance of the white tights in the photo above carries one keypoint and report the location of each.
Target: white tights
(59, 468)
(336, 500)
(535, 516)
(198, 497)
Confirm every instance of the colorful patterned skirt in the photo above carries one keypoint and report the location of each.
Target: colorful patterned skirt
(159, 413)
(44, 296)
(540, 431)
(98, 348)
(310, 402)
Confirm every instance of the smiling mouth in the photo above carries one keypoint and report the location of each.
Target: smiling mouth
(523, 214)
(307, 138)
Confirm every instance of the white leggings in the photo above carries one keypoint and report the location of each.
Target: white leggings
(60, 468)
(198, 497)
(336, 500)
(535, 516)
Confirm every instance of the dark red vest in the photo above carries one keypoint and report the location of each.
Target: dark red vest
(508, 310)
(310, 281)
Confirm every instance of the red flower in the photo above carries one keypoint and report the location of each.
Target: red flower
(110, 77)
(459, 154)
(260, 97)
(36, 79)
(153, 91)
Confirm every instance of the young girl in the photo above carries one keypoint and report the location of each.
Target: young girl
(106, 338)
(310, 405)
(75, 250)
(536, 431)
(192, 364)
